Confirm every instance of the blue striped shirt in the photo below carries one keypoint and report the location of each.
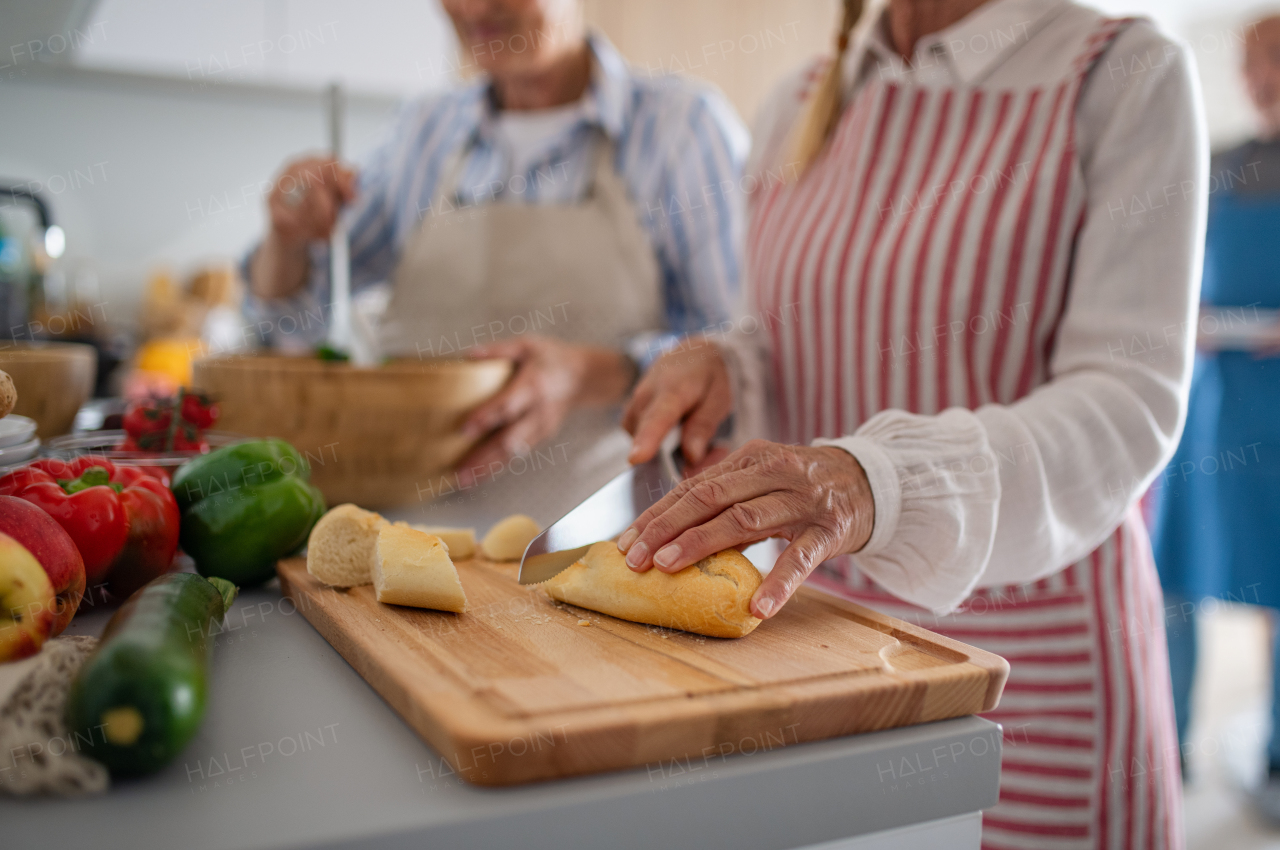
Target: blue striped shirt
(678, 145)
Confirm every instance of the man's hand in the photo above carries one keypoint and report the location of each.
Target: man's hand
(690, 385)
(303, 206)
(552, 377)
(306, 198)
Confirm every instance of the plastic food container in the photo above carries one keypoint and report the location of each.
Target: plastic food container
(16, 430)
(21, 453)
(104, 444)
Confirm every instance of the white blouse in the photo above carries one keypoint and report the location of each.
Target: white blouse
(1046, 479)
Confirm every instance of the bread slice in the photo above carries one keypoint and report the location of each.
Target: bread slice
(340, 548)
(412, 567)
(461, 542)
(507, 540)
(711, 597)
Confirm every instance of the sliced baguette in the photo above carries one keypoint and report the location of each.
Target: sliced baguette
(340, 548)
(507, 540)
(711, 597)
(461, 542)
(412, 567)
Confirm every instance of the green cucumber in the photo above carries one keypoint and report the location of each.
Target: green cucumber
(140, 697)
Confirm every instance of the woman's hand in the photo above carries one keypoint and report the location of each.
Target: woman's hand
(552, 377)
(689, 385)
(816, 497)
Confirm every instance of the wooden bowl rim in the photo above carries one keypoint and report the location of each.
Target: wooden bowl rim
(311, 365)
(46, 352)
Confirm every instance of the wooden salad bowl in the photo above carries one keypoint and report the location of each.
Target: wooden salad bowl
(377, 436)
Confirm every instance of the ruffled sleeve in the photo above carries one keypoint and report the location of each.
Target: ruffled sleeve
(936, 485)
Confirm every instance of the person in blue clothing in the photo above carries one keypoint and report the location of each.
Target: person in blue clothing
(562, 209)
(1217, 509)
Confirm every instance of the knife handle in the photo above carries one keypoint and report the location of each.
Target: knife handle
(671, 458)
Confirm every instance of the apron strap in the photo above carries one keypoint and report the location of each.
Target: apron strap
(1098, 42)
(601, 160)
(451, 173)
(601, 154)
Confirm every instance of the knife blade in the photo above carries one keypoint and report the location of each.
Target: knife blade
(603, 515)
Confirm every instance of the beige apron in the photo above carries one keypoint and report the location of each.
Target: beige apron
(583, 272)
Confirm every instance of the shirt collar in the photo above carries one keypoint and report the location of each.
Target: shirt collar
(608, 97)
(605, 103)
(974, 45)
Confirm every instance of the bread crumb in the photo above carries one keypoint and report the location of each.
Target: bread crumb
(584, 622)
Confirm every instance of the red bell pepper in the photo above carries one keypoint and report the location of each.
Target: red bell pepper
(154, 522)
(93, 515)
(123, 521)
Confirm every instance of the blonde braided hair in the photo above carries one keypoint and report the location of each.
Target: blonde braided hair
(828, 99)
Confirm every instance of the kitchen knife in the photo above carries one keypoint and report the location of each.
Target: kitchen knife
(604, 515)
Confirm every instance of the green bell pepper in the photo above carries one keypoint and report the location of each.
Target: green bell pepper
(244, 507)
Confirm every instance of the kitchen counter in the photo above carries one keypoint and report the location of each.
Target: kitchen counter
(298, 751)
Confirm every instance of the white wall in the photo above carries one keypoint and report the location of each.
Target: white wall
(390, 46)
(143, 175)
(153, 136)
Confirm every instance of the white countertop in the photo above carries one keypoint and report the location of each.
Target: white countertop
(296, 750)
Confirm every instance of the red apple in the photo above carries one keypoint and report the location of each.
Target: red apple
(26, 602)
(49, 542)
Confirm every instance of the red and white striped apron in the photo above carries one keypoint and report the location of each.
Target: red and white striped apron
(913, 298)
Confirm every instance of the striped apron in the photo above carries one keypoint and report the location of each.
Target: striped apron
(906, 296)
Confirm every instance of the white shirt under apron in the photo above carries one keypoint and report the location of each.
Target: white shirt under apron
(527, 136)
(987, 295)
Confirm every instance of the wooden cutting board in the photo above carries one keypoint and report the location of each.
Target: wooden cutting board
(522, 688)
